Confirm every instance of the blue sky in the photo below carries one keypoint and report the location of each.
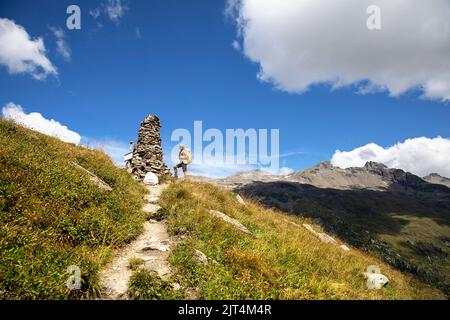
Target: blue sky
(176, 59)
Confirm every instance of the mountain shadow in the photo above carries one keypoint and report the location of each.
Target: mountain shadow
(407, 227)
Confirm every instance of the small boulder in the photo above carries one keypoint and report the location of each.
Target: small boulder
(150, 198)
(201, 257)
(321, 236)
(326, 238)
(151, 179)
(375, 280)
(157, 246)
(99, 182)
(231, 221)
(309, 228)
(151, 208)
(176, 286)
(240, 200)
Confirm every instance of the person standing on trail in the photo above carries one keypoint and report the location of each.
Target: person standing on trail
(185, 159)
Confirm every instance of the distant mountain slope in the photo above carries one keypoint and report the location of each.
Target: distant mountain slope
(389, 212)
(373, 176)
(244, 178)
(437, 179)
(325, 175)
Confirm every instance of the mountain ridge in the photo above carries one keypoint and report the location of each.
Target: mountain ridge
(389, 212)
(437, 179)
(372, 176)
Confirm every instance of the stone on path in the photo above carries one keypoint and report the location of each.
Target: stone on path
(151, 208)
(152, 246)
(159, 246)
(150, 198)
(151, 179)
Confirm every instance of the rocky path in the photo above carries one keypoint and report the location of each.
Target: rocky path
(152, 247)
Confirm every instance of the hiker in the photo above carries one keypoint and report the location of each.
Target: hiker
(185, 159)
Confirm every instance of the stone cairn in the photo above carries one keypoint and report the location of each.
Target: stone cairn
(147, 152)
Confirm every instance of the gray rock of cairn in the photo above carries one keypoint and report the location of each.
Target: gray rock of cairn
(147, 152)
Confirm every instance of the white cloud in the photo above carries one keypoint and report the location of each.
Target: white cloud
(284, 171)
(61, 45)
(21, 54)
(301, 43)
(115, 9)
(420, 156)
(36, 121)
(116, 149)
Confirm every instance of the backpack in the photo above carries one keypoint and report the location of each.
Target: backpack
(189, 156)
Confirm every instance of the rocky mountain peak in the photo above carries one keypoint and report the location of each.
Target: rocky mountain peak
(373, 176)
(434, 175)
(375, 166)
(325, 164)
(437, 179)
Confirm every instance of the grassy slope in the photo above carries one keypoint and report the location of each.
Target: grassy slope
(409, 230)
(52, 216)
(286, 262)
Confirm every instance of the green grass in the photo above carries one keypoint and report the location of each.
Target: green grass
(283, 262)
(421, 239)
(135, 263)
(145, 285)
(52, 216)
(408, 230)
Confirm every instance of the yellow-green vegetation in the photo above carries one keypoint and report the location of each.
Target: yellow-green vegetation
(53, 216)
(146, 285)
(135, 263)
(421, 239)
(409, 230)
(283, 261)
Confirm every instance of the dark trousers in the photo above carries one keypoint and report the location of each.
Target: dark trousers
(181, 165)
